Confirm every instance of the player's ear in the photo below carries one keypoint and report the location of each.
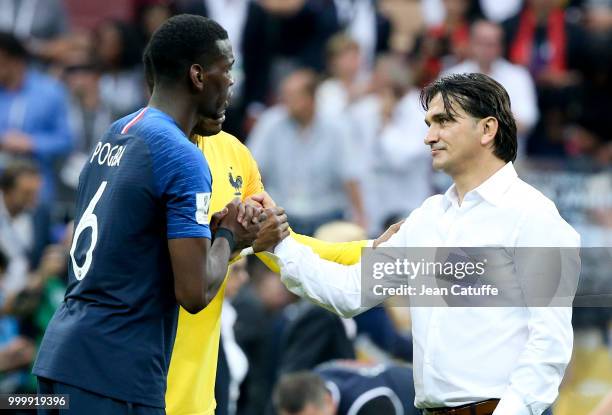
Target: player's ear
(196, 75)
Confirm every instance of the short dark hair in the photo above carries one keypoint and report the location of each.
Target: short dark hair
(296, 390)
(178, 43)
(14, 170)
(480, 96)
(12, 46)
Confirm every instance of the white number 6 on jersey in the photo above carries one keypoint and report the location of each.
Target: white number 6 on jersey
(88, 220)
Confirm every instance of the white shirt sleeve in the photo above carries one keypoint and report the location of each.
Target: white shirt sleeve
(534, 383)
(336, 287)
(333, 286)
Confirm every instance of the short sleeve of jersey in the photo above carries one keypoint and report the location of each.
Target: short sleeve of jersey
(184, 183)
(254, 183)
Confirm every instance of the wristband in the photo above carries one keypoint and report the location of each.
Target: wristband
(227, 234)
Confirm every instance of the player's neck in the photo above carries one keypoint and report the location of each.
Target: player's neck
(181, 110)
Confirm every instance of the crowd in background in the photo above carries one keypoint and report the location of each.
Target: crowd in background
(326, 96)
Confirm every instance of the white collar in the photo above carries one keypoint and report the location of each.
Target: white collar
(491, 190)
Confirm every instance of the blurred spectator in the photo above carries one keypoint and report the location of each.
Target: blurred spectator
(89, 118)
(251, 30)
(445, 44)
(16, 351)
(232, 364)
(305, 159)
(498, 11)
(314, 335)
(304, 27)
(257, 329)
(150, 14)
(436, 11)
(388, 127)
(33, 112)
(433, 12)
(33, 306)
(486, 46)
(362, 21)
(33, 19)
(89, 115)
(345, 85)
(39, 23)
(587, 137)
(347, 388)
(118, 50)
(20, 185)
(543, 39)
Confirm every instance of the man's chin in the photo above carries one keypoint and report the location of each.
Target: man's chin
(207, 128)
(437, 165)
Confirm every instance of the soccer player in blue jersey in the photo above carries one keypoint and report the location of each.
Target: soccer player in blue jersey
(142, 241)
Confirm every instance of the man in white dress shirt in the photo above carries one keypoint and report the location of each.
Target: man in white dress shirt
(467, 361)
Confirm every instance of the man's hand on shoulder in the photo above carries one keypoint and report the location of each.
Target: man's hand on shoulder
(392, 230)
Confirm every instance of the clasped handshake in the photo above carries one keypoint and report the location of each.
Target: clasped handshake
(256, 222)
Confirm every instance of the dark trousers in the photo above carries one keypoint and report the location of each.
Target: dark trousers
(82, 402)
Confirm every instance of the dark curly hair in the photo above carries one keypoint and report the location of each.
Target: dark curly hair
(180, 42)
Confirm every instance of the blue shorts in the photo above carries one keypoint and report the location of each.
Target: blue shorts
(84, 402)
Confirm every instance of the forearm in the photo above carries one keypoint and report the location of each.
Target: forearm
(333, 286)
(216, 268)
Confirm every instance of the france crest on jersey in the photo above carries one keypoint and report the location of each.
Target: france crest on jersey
(144, 183)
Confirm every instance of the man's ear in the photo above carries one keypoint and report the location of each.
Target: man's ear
(196, 75)
(489, 127)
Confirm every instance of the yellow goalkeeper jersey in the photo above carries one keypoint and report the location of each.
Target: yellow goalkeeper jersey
(193, 366)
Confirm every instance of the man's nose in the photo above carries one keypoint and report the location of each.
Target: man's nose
(431, 136)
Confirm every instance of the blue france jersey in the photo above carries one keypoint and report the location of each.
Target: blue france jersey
(144, 183)
(354, 384)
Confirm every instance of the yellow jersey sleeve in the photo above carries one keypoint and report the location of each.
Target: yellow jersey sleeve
(345, 253)
(254, 184)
